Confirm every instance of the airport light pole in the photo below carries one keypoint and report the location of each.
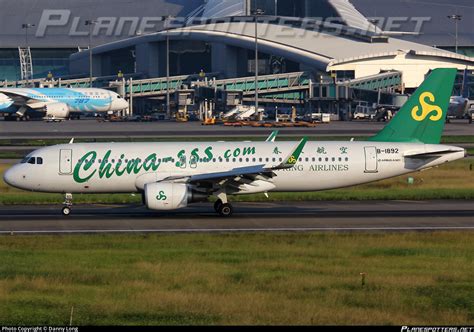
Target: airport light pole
(168, 109)
(90, 23)
(26, 26)
(256, 12)
(456, 18)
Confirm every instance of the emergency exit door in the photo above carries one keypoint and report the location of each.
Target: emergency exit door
(370, 159)
(65, 161)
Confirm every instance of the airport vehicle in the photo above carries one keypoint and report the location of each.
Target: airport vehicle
(364, 111)
(59, 103)
(460, 107)
(241, 112)
(317, 117)
(172, 175)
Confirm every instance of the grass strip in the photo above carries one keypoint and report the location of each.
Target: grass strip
(205, 279)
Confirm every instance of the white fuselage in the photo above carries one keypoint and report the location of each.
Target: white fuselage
(127, 167)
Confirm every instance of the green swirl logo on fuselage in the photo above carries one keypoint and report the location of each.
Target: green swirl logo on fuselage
(161, 196)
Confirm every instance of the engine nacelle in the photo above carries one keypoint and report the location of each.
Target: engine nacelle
(57, 111)
(169, 196)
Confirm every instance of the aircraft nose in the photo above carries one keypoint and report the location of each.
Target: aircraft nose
(10, 177)
(124, 103)
(15, 177)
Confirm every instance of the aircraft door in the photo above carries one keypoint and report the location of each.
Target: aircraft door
(65, 161)
(370, 159)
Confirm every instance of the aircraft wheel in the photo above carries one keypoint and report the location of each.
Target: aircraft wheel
(226, 210)
(66, 210)
(217, 205)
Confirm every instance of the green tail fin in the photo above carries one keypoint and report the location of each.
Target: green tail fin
(422, 117)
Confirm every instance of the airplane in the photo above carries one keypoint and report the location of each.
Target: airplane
(59, 103)
(170, 176)
(461, 107)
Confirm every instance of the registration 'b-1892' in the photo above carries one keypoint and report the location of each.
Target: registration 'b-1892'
(172, 175)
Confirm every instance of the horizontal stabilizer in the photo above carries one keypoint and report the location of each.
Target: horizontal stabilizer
(430, 154)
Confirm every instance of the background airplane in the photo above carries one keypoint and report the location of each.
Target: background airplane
(172, 175)
(59, 103)
(460, 107)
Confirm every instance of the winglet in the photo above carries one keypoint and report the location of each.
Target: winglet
(272, 136)
(292, 158)
(71, 141)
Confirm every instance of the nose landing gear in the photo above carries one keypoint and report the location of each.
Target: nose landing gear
(66, 210)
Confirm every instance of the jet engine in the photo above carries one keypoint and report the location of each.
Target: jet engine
(170, 196)
(57, 111)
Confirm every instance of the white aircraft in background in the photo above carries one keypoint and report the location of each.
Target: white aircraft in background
(59, 103)
(461, 107)
(172, 175)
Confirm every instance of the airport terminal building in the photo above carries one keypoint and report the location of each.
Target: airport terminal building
(355, 38)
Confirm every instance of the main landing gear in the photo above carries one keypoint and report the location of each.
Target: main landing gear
(224, 209)
(222, 206)
(66, 210)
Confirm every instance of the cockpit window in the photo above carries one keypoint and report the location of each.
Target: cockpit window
(33, 160)
(119, 96)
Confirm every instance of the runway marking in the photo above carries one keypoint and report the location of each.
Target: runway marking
(237, 230)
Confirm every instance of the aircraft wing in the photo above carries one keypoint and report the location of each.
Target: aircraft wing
(235, 173)
(22, 98)
(241, 175)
